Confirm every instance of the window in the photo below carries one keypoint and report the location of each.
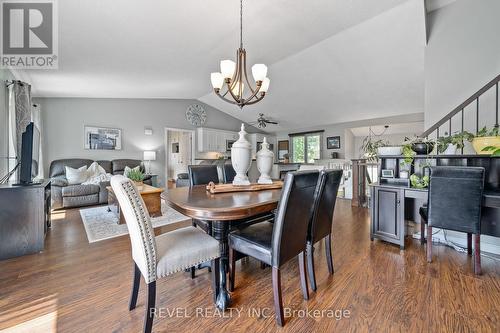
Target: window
(306, 147)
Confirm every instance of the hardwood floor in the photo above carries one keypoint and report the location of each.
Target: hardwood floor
(74, 286)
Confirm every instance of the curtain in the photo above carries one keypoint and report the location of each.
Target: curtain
(19, 118)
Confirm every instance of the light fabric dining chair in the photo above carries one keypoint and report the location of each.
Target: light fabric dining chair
(159, 256)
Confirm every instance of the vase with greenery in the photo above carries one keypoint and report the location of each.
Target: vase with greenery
(370, 148)
(486, 142)
(136, 176)
(449, 144)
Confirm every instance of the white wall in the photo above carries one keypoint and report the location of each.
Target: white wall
(462, 55)
(347, 142)
(64, 119)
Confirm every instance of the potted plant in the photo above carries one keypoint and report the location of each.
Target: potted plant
(419, 182)
(370, 148)
(136, 176)
(486, 142)
(448, 145)
(421, 146)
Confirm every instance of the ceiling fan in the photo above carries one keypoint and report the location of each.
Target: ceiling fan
(263, 121)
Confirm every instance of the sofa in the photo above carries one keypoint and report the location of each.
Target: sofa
(64, 195)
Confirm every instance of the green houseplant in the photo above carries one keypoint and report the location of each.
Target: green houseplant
(136, 176)
(370, 147)
(449, 144)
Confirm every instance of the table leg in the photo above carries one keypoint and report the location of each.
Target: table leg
(220, 233)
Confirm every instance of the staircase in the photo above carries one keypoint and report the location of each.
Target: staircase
(445, 124)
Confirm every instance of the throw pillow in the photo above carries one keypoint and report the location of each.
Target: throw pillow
(95, 170)
(76, 176)
(128, 169)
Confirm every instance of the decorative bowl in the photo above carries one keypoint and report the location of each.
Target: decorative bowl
(422, 148)
(482, 142)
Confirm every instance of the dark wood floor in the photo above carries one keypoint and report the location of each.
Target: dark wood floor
(74, 286)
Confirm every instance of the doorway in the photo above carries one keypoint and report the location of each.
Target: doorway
(179, 153)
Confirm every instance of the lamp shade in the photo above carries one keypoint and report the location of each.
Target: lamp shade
(259, 72)
(265, 85)
(149, 155)
(217, 80)
(227, 68)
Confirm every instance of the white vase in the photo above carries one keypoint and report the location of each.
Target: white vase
(450, 150)
(241, 158)
(265, 160)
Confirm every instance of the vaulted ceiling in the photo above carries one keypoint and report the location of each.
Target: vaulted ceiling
(329, 60)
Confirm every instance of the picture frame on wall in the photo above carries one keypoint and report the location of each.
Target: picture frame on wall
(333, 142)
(102, 138)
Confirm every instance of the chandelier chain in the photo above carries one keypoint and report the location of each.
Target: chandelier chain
(241, 23)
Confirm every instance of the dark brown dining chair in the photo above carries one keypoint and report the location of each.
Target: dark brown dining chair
(321, 221)
(228, 173)
(455, 198)
(202, 175)
(277, 243)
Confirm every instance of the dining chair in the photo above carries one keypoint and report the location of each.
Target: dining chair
(228, 173)
(277, 243)
(454, 203)
(159, 256)
(320, 226)
(202, 175)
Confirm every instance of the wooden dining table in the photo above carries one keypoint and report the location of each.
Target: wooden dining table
(221, 209)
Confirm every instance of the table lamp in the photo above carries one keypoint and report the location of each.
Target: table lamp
(149, 155)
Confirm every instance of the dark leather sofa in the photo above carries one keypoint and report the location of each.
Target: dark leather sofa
(64, 195)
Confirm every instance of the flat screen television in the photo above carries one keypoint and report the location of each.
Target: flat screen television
(30, 148)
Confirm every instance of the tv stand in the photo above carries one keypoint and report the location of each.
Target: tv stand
(24, 218)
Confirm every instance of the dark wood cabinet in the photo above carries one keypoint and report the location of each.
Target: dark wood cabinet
(387, 215)
(24, 218)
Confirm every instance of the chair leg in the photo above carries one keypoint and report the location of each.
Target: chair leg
(193, 272)
(278, 302)
(429, 244)
(469, 243)
(135, 288)
(232, 268)
(303, 275)
(150, 308)
(215, 278)
(477, 254)
(422, 231)
(310, 265)
(328, 249)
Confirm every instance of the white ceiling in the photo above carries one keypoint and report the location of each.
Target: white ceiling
(329, 60)
(412, 128)
(433, 5)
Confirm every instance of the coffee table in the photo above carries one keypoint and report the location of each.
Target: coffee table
(150, 194)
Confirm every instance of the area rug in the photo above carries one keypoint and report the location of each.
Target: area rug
(100, 224)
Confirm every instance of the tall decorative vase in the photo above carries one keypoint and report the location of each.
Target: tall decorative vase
(241, 158)
(265, 159)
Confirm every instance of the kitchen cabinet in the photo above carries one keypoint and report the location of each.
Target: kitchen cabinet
(214, 140)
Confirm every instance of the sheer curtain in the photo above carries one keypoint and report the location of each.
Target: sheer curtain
(20, 115)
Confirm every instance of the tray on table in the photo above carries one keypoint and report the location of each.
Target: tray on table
(224, 188)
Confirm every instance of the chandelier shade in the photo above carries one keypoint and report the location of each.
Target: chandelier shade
(232, 82)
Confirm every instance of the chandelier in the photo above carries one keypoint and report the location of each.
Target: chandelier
(233, 77)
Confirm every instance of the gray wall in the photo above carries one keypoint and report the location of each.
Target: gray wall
(64, 119)
(462, 55)
(347, 141)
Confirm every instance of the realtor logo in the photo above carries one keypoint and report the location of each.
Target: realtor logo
(28, 34)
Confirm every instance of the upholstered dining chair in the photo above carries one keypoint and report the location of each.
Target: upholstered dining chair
(277, 243)
(321, 221)
(159, 256)
(454, 203)
(228, 173)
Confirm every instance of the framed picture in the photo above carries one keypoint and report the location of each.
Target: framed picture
(102, 138)
(283, 148)
(333, 142)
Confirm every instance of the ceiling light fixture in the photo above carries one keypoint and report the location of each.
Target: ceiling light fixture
(234, 77)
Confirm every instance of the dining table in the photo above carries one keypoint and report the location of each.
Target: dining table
(223, 210)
